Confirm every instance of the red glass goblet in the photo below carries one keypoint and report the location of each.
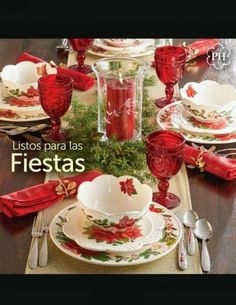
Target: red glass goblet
(169, 64)
(165, 150)
(81, 45)
(55, 92)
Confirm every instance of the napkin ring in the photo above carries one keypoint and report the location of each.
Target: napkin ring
(199, 162)
(66, 187)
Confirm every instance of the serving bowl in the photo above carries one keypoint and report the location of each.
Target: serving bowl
(108, 201)
(208, 101)
(21, 80)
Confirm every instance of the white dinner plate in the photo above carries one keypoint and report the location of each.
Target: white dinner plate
(171, 236)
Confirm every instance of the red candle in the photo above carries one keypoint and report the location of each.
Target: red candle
(120, 111)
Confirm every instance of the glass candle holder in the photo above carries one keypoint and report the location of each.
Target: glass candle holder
(120, 95)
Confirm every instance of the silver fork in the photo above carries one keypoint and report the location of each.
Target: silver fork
(43, 253)
(36, 233)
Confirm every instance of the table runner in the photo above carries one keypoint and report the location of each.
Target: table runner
(60, 263)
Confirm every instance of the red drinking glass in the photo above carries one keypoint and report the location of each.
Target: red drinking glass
(165, 151)
(169, 64)
(55, 92)
(81, 46)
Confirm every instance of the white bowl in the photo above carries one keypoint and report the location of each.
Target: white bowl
(208, 101)
(104, 202)
(19, 78)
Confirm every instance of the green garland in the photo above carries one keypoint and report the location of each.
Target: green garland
(111, 157)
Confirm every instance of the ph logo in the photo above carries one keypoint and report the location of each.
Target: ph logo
(219, 58)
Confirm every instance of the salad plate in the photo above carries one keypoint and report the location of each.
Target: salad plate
(190, 124)
(169, 118)
(139, 47)
(111, 238)
(167, 243)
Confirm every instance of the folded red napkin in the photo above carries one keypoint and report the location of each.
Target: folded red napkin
(41, 196)
(81, 81)
(201, 47)
(222, 167)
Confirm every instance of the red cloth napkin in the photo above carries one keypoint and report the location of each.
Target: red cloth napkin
(222, 167)
(40, 196)
(201, 47)
(81, 81)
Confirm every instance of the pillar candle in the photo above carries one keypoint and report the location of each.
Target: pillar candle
(120, 110)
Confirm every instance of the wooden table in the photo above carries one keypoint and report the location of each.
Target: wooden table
(212, 198)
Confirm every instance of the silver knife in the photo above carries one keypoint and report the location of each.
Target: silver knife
(182, 253)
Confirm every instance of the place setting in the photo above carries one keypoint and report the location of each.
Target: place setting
(116, 196)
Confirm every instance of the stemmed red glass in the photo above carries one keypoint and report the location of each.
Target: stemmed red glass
(169, 64)
(165, 150)
(55, 92)
(81, 46)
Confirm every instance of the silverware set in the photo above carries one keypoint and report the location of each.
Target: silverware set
(39, 254)
(199, 228)
(13, 130)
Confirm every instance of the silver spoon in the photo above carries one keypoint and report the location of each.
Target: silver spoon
(203, 230)
(182, 253)
(189, 219)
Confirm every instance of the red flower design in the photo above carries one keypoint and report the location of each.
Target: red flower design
(125, 222)
(23, 103)
(74, 247)
(128, 187)
(42, 70)
(31, 92)
(218, 125)
(155, 210)
(226, 137)
(190, 91)
(130, 232)
(7, 113)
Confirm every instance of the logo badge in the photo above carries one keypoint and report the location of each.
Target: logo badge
(219, 58)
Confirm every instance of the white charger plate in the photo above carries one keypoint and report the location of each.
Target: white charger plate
(171, 236)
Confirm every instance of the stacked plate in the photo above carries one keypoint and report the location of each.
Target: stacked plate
(19, 97)
(206, 115)
(124, 47)
(127, 238)
(175, 117)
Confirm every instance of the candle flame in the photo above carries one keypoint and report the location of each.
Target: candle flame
(120, 78)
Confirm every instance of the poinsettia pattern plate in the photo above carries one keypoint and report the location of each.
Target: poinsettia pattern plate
(190, 124)
(14, 113)
(135, 236)
(170, 239)
(167, 119)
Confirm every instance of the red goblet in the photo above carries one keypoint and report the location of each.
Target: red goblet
(169, 64)
(81, 45)
(165, 150)
(55, 92)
